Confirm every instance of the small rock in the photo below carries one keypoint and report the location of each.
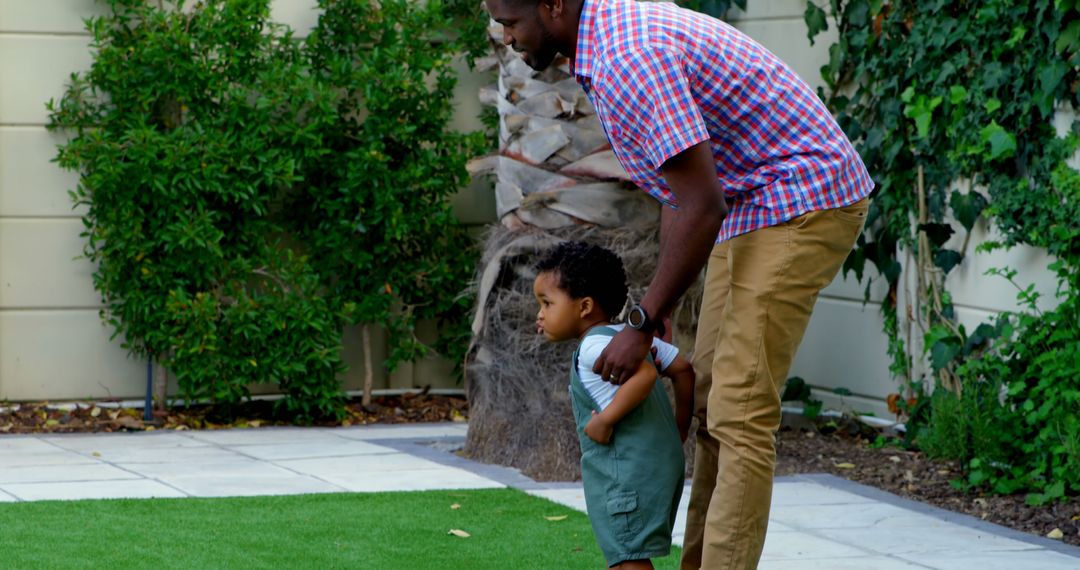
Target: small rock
(894, 459)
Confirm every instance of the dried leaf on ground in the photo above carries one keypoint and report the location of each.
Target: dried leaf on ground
(459, 533)
(557, 518)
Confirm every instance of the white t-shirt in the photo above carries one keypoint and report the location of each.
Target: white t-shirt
(604, 392)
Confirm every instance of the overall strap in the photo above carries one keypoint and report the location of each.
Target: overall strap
(582, 395)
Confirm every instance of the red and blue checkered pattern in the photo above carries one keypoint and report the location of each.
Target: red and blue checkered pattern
(663, 79)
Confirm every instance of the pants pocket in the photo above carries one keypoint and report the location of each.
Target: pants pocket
(624, 513)
(853, 213)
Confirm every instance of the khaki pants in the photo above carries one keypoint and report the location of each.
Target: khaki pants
(760, 288)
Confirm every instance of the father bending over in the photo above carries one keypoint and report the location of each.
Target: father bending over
(758, 181)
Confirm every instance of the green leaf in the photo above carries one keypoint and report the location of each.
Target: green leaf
(942, 353)
(967, 207)
(815, 21)
(938, 234)
(957, 94)
(1069, 39)
(1016, 37)
(946, 259)
(1002, 143)
(992, 105)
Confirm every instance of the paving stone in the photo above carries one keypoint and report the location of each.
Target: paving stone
(51, 456)
(136, 454)
(21, 444)
(133, 489)
(262, 436)
(232, 479)
(1016, 560)
(573, 498)
(796, 545)
(944, 538)
(380, 463)
(410, 480)
(858, 563)
(91, 443)
(55, 473)
(801, 493)
(411, 431)
(333, 448)
(852, 515)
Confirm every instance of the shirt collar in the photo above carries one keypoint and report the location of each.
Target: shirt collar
(586, 39)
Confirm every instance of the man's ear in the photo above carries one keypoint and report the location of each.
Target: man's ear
(553, 8)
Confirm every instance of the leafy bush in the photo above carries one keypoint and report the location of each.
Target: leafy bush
(249, 195)
(946, 90)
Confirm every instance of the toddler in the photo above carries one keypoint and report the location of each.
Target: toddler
(632, 463)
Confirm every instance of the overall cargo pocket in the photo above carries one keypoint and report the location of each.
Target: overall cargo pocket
(625, 517)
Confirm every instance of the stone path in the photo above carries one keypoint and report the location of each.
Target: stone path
(817, 521)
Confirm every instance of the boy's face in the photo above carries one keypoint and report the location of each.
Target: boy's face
(560, 316)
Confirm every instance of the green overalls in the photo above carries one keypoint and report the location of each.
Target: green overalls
(633, 484)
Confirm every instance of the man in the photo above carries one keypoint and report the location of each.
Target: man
(760, 183)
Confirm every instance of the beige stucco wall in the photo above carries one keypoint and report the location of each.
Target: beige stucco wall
(53, 344)
(844, 346)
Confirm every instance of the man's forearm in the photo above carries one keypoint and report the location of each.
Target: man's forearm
(686, 240)
(687, 235)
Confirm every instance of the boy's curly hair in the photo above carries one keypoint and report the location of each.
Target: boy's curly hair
(586, 270)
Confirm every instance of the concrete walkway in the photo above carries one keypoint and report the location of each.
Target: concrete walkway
(817, 521)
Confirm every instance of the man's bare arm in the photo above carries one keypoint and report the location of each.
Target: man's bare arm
(685, 245)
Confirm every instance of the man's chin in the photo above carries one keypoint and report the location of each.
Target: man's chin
(538, 64)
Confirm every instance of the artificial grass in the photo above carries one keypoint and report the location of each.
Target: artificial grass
(508, 528)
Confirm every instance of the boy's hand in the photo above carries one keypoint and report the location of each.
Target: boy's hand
(599, 430)
(682, 419)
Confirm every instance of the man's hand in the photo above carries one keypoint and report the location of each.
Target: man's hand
(623, 355)
(599, 430)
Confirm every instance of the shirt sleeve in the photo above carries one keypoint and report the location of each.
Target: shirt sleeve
(665, 353)
(602, 392)
(649, 96)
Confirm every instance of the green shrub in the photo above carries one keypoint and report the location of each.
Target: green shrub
(936, 94)
(249, 195)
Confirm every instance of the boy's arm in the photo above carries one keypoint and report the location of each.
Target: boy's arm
(681, 373)
(630, 395)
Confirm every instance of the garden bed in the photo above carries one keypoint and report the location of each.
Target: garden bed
(912, 475)
(41, 417)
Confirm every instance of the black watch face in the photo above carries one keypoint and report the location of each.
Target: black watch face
(636, 318)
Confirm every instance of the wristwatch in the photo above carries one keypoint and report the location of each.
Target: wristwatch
(638, 319)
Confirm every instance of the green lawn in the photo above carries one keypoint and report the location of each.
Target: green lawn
(508, 529)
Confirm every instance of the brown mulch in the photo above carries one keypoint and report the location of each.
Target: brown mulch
(912, 475)
(41, 418)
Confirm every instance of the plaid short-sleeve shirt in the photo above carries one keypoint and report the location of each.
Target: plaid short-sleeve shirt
(663, 79)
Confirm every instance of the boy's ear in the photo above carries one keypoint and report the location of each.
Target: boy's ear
(586, 306)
